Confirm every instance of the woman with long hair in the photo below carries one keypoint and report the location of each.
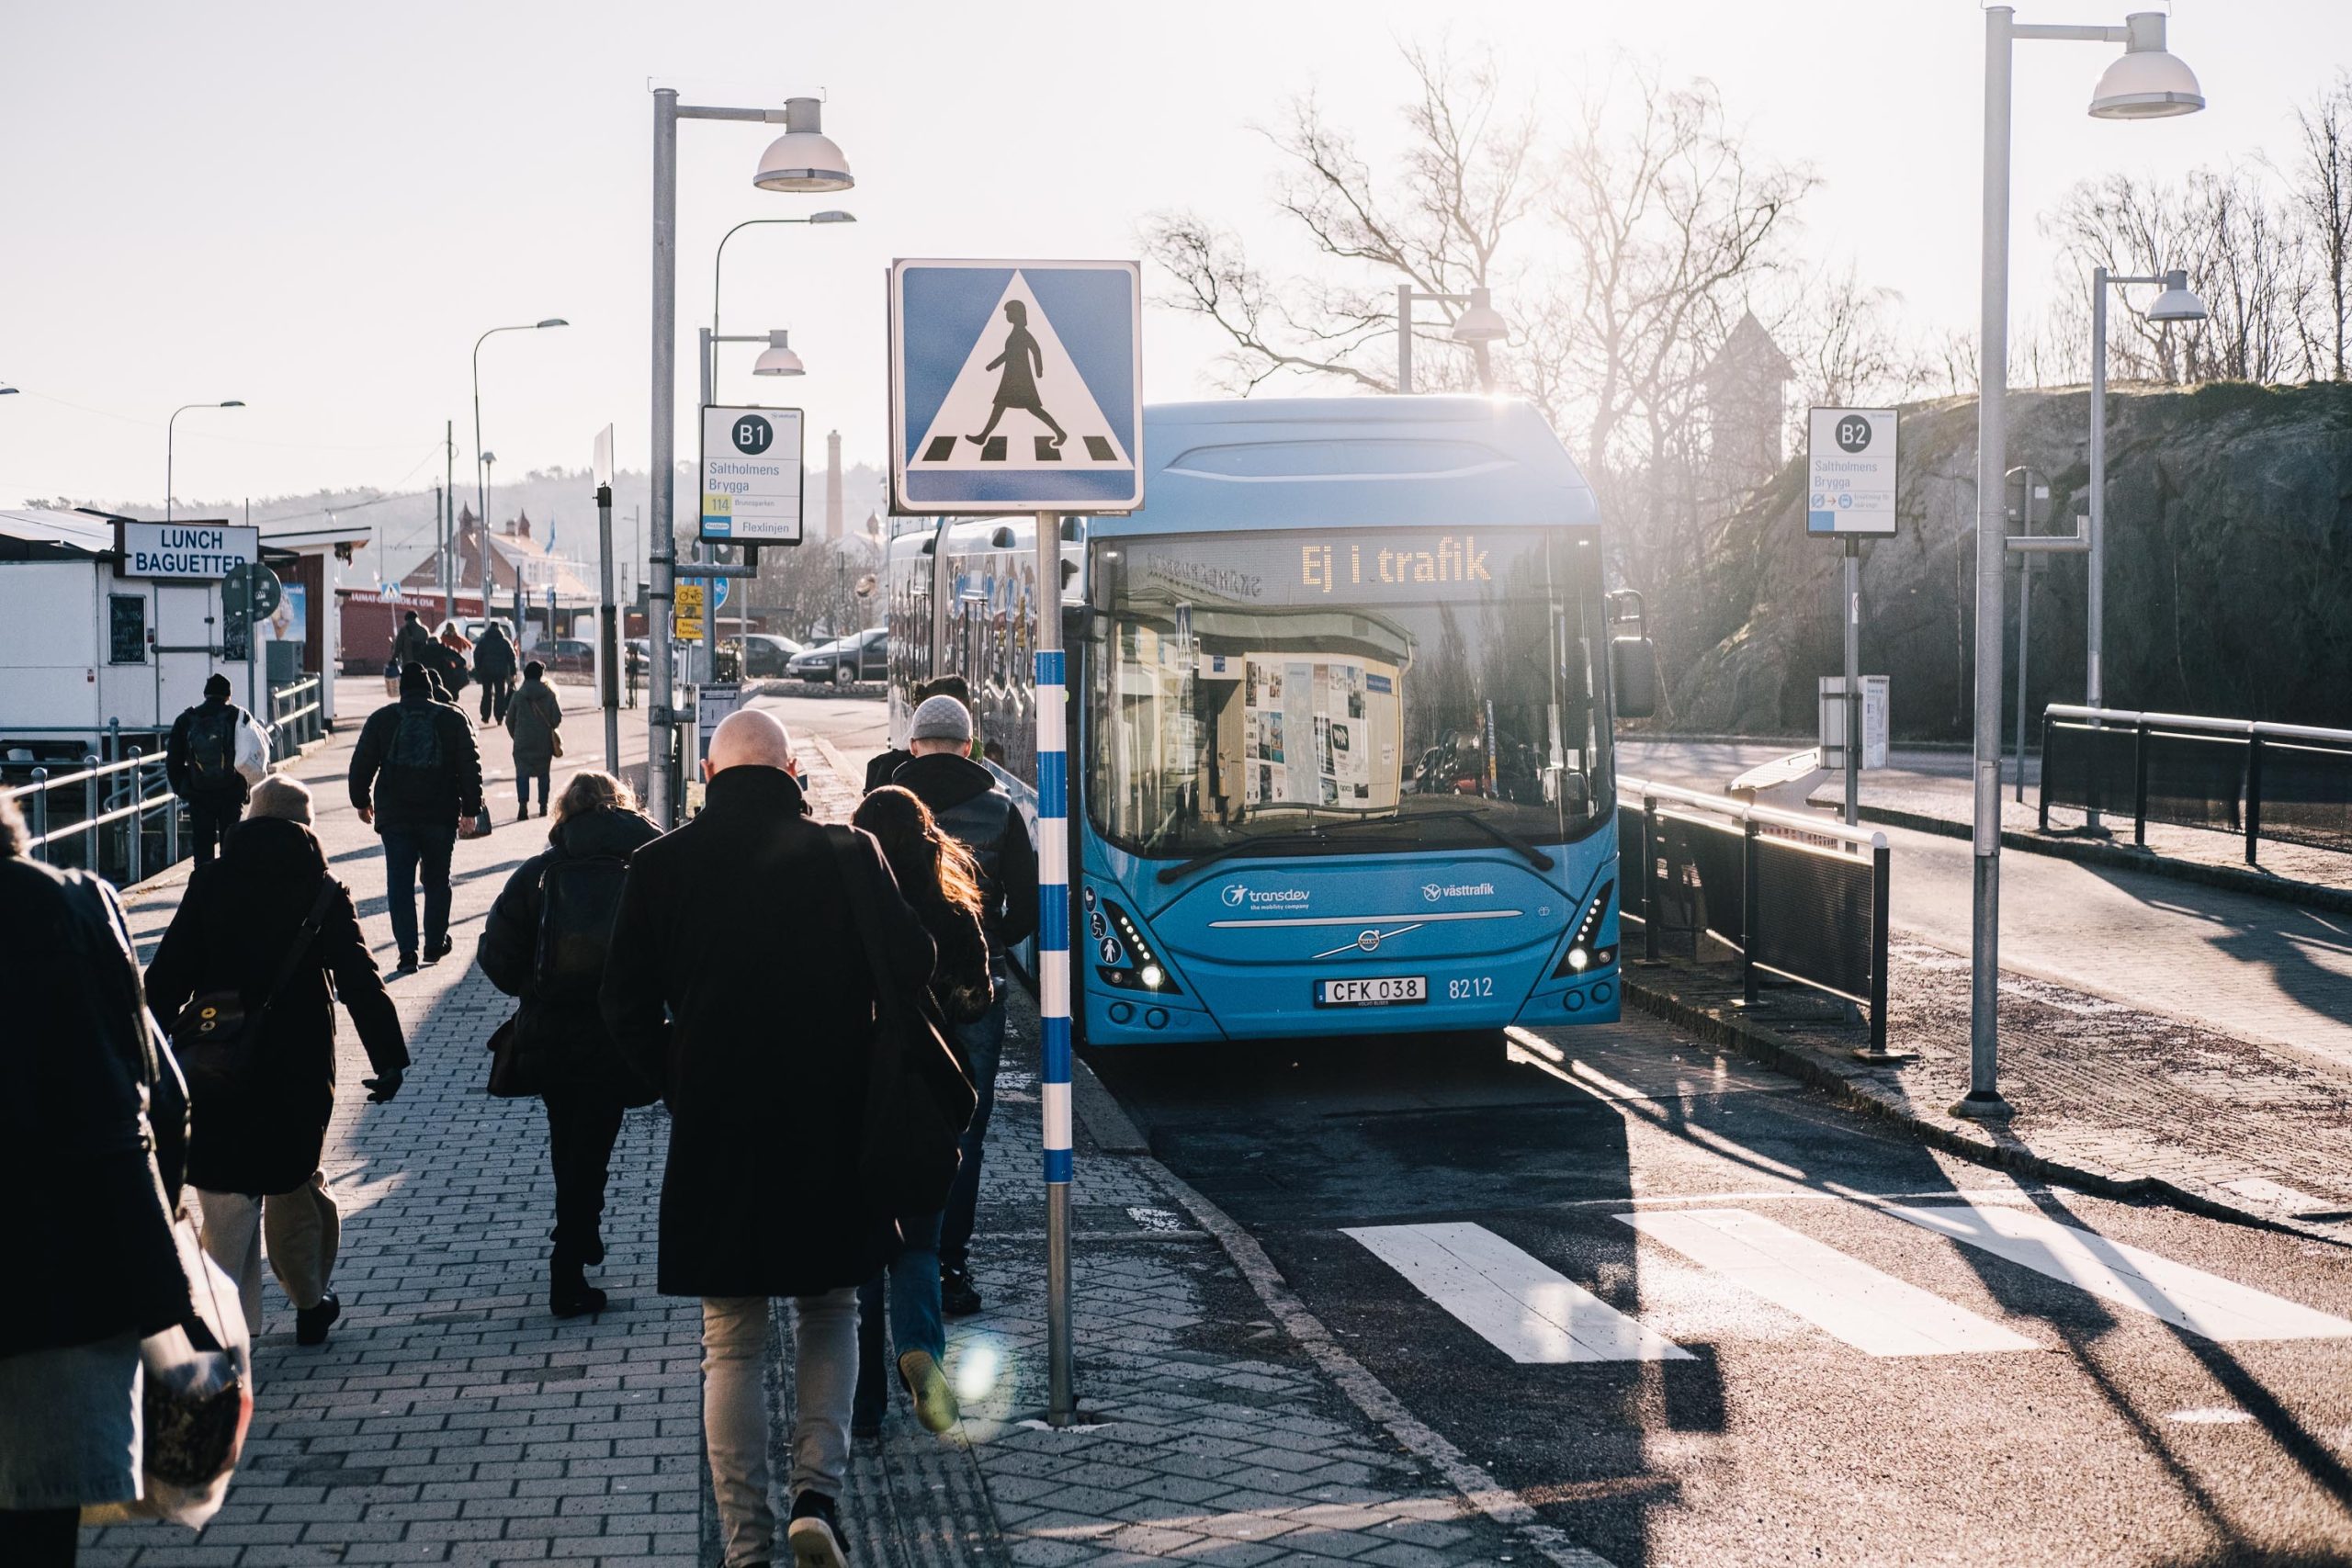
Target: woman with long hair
(940, 879)
(545, 944)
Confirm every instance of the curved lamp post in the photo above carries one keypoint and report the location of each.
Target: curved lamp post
(168, 434)
(483, 459)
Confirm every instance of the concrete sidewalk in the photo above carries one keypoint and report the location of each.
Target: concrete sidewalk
(451, 1420)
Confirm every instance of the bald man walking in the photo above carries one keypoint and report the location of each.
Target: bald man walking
(739, 981)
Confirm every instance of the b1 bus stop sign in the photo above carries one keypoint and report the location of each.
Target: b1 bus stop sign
(1017, 386)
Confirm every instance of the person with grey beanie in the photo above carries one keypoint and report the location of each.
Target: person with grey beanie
(973, 809)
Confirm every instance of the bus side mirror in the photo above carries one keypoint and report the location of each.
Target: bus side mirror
(1632, 675)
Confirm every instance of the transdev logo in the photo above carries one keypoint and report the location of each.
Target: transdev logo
(1438, 892)
(1236, 894)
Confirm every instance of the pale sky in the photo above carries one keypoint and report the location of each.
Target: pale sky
(316, 209)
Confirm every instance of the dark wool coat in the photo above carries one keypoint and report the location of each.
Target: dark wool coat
(418, 799)
(534, 717)
(232, 929)
(566, 1047)
(737, 927)
(92, 1127)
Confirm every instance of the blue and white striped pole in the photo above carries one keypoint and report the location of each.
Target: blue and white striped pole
(1053, 961)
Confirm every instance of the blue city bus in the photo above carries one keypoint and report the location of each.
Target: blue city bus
(1341, 699)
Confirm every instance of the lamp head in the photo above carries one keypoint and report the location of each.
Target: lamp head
(487, 458)
(1481, 322)
(2147, 83)
(2177, 302)
(553, 321)
(231, 403)
(804, 158)
(8, 392)
(778, 359)
(832, 215)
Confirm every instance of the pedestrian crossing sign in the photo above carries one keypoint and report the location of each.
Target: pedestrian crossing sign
(1016, 387)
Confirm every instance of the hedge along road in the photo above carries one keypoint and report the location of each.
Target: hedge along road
(2258, 968)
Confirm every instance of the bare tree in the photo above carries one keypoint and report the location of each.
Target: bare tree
(2320, 194)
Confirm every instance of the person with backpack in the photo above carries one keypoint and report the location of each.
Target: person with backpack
(972, 808)
(200, 760)
(416, 776)
(532, 719)
(495, 670)
(263, 947)
(410, 643)
(742, 978)
(939, 879)
(546, 943)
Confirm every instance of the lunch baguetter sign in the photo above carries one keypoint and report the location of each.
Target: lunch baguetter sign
(184, 551)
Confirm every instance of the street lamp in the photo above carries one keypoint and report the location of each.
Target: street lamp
(2146, 83)
(482, 459)
(802, 159)
(1478, 324)
(231, 403)
(6, 390)
(718, 259)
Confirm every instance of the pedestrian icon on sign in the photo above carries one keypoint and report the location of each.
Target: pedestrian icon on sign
(1023, 362)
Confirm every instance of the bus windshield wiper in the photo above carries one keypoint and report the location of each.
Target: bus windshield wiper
(1502, 836)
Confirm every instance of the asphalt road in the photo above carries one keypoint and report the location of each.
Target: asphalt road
(2052, 1424)
(2258, 968)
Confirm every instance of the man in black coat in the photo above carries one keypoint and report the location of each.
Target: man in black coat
(257, 1135)
(416, 776)
(200, 760)
(886, 766)
(739, 980)
(410, 643)
(495, 669)
(970, 806)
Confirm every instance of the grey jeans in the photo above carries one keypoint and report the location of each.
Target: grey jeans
(305, 1231)
(735, 1414)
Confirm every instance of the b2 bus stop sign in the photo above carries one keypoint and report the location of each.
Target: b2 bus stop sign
(1017, 386)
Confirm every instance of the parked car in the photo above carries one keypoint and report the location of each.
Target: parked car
(764, 654)
(864, 657)
(565, 656)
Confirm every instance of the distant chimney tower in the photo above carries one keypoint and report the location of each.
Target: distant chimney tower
(833, 486)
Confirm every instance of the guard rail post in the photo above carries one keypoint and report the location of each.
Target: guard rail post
(90, 811)
(1748, 906)
(1881, 878)
(2252, 795)
(2045, 771)
(136, 870)
(171, 827)
(1649, 878)
(2140, 785)
(41, 813)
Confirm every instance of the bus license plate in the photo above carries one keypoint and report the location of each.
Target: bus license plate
(1377, 992)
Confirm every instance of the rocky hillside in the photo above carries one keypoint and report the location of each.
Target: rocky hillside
(2228, 574)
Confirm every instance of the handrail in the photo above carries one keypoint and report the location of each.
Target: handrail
(18, 792)
(1740, 811)
(2200, 723)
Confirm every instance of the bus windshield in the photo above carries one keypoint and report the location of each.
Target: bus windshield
(1333, 691)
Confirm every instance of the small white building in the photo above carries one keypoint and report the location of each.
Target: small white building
(111, 623)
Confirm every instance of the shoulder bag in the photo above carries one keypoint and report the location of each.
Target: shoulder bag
(214, 1036)
(918, 1099)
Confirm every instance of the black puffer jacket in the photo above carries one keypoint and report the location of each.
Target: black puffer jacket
(564, 1043)
(966, 799)
(416, 764)
(232, 931)
(93, 1124)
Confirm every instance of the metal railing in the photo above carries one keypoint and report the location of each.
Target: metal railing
(296, 718)
(109, 834)
(1796, 897)
(2288, 782)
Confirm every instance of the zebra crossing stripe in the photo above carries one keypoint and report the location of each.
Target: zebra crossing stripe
(1511, 1300)
(2185, 1297)
(1846, 1298)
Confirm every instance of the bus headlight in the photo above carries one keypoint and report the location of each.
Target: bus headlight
(1582, 954)
(1128, 963)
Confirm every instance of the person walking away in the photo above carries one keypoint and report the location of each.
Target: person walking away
(740, 979)
(200, 760)
(270, 925)
(92, 1132)
(494, 670)
(416, 776)
(445, 654)
(879, 771)
(532, 720)
(972, 808)
(939, 879)
(546, 943)
(411, 642)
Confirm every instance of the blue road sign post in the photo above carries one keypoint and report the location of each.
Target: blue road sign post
(1018, 387)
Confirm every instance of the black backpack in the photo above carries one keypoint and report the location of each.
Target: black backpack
(416, 740)
(578, 899)
(212, 748)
